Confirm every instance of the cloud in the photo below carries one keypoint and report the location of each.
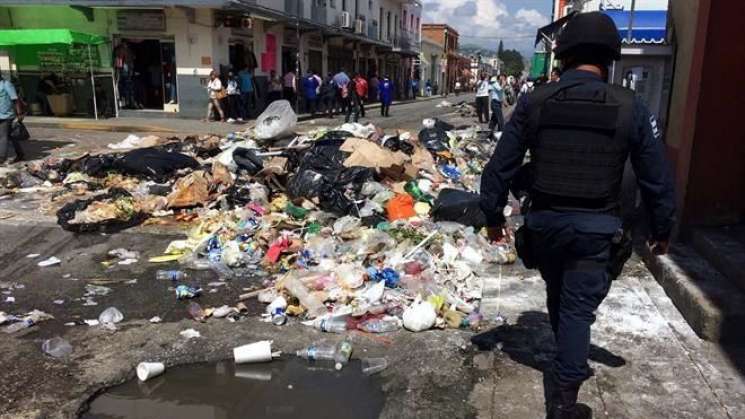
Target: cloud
(532, 17)
(485, 22)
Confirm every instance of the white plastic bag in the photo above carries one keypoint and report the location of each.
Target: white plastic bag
(276, 120)
(419, 316)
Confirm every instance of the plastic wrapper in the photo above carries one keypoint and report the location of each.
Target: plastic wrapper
(278, 119)
(419, 316)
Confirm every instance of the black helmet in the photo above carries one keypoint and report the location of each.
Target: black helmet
(595, 30)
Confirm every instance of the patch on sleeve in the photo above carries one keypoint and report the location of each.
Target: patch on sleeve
(656, 133)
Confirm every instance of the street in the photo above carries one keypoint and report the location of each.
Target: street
(648, 363)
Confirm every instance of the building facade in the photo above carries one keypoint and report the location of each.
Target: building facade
(173, 45)
(447, 39)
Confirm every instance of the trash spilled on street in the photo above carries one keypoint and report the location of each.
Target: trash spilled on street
(284, 388)
(343, 229)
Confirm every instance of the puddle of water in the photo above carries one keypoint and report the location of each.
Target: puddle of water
(287, 388)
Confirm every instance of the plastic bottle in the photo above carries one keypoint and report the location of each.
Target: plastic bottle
(318, 353)
(379, 325)
(342, 354)
(171, 275)
(330, 324)
(196, 312)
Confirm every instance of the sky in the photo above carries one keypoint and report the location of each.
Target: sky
(485, 22)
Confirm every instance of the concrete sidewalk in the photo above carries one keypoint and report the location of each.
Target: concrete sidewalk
(166, 125)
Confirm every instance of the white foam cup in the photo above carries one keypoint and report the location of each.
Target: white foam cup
(253, 352)
(148, 370)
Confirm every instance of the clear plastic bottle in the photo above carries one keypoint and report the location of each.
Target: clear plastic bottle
(171, 275)
(310, 301)
(318, 353)
(379, 325)
(342, 354)
(330, 324)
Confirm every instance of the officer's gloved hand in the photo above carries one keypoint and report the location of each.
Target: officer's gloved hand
(496, 233)
(659, 247)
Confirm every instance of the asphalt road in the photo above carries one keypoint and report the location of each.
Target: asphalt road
(648, 362)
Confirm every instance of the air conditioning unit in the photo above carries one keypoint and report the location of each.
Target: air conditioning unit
(345, 20)
(360, 26)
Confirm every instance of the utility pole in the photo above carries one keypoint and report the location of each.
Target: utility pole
(631, 21)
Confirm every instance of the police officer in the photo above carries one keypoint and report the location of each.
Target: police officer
(580, 132)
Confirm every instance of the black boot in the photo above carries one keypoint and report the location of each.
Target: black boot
(564, 403)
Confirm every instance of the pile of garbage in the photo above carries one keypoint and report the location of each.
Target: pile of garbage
(344, 228)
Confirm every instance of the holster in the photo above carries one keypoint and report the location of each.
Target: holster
(620, 252)
(525, 248)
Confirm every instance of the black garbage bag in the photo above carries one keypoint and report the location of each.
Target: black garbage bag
(247, 160)
(322, 175)
(335, 135)
(434, 139)
(18, 132)
(440, 124)
(397, 144)
(459, 206)
(66, 214)
(98, 165)
(153, 163)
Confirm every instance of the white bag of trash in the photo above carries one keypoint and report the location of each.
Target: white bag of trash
(419, 316)
(277, 119)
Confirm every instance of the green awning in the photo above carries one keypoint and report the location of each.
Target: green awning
(11, 37)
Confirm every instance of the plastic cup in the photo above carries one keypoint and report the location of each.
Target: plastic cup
(253, 352)
(148, 370)
(372, 366)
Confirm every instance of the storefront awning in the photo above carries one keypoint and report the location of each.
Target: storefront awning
(648, 26)
(11, 37)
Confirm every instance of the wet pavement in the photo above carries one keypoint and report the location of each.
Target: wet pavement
(667, 372)
(286, 388)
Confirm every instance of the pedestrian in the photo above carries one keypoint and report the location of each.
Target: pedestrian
(372, 91)
(235, 108)
(361, 88)
(274, 87)
(573, 224)
(482, 99)
(216, 94)
(352, 101)
(289, 87)
(428, 88)
(10, 108)
(310, 92)
(414, 88)
(341, 79)
(248, 92)
(386, 96)
(555, 76)
(496, 96)
(328, 95)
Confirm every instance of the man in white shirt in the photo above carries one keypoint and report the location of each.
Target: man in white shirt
(496, 94)
(482, 99)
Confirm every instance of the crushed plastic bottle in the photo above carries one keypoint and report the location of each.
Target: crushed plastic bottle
(311, 302)
(196, 312)
(342, 354)
(171, 275)
(18, 326)
(379, 325)
(110, 316)
(56, 347)
(329, 324)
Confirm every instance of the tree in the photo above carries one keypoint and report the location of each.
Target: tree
(500, 50)
(513, 62)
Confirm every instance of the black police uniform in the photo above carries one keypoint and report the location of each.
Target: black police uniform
(579, 133)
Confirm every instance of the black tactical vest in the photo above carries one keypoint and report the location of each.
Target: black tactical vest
(579, 141)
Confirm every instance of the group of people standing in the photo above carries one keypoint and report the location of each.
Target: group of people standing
(236, 98)
(491, 94)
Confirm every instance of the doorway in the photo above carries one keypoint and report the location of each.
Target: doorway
(150, 81)
(289, 60)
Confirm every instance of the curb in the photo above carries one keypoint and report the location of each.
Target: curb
(106, 127)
